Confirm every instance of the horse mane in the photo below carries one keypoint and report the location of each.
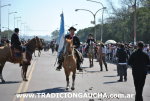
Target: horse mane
(29, 42)
(30, 45)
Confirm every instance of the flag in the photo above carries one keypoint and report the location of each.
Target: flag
(61, 34)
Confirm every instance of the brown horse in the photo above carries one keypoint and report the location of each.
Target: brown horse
(6, 54)
(91, 54)
(39, 49)
(70, 63)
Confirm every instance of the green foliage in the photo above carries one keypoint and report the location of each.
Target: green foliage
(6, 34)
(120, 26)
(55, 34)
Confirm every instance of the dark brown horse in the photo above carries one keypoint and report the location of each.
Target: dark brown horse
(40, 48)
(70, 63)
(6, 55)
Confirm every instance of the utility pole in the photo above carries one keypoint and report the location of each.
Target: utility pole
(135, 22)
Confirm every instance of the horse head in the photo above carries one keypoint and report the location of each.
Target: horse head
(39, 43)
(69, 47)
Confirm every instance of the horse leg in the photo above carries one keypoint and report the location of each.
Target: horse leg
(24, 72)
(90, 60)
(67, 79)
(39, 53)
(1, 69)
(34, 54)
(73, 80)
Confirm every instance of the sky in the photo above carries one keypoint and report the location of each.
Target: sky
(42, 17)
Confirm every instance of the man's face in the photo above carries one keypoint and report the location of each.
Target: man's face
(72, 32)
(17, 32)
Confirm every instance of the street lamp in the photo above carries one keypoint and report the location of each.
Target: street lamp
(9, 13)
(21, 29)
(102, 16)
(0, 15)
(18, 22)
(94, 16)
(15, 18)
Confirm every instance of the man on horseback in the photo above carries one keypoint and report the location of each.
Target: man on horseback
(89, 41)
(16, 44)
(76, 43)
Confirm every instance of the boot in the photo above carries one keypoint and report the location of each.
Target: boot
(120, 80)
(78, 67)
(125, 78)
(59, 67)
(24, 57)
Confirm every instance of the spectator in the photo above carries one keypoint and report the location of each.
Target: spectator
(139, 62)
(122, 63)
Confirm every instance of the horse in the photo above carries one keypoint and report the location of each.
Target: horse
(70, 62)
(39, 49)
(7, 55)
(91, 53)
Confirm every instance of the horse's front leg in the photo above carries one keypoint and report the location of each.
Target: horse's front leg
(34, 54)
(92, 60)
(39, 53)
(73, 81)
(67, 80)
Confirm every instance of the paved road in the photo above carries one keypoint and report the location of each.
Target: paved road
(44, 79)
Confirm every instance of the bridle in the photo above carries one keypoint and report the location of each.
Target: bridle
(66, 54)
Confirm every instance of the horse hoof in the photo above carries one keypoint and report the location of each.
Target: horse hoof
(72, 88)
(3, 81)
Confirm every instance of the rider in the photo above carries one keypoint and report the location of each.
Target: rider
(15, 43)
(89, 41)
(76, 43)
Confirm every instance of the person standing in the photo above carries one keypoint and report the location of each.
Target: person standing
(122, 63)
(102, 57)
(139, 62)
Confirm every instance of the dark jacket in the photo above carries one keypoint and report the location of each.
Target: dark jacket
(76, 40)
(15, 42)
(122, 56)
(139, 61)
(90, 40)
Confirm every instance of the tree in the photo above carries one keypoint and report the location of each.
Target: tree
(54, 34)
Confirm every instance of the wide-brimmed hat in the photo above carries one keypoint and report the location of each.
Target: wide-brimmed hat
(72, 28)
(90, 35)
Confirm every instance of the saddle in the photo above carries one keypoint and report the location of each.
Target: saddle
(16, 55)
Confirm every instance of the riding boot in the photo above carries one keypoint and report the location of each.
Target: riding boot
(59, 67)
(24, 57)
(121, 79)
(78, 67)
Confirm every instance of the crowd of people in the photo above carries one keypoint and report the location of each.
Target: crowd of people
(125, 55)
(111, 50)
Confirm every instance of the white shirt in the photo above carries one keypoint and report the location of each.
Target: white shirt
(104, 49)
